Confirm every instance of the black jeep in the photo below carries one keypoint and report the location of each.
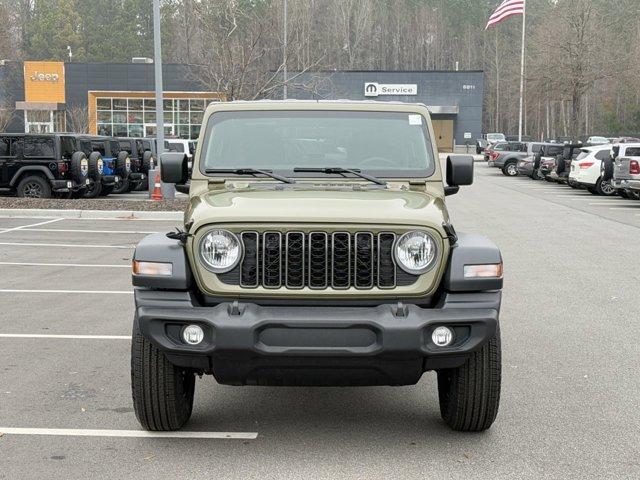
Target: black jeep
(115, 167)
(140, 151)
(43, 165)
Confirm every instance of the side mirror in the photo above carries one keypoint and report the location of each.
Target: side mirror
(173, 167)
(459, 173)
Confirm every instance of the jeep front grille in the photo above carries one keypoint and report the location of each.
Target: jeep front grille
(318, 260)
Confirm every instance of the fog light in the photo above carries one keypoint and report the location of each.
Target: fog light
(442, 336)
(193, 334)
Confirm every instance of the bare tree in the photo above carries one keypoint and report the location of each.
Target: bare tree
(6, 115)
(77, 119)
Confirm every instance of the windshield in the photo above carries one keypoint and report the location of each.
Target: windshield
(496, 137)
(380, 143)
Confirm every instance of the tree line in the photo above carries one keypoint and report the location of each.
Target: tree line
(581, 55)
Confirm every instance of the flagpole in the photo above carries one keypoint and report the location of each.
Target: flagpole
(524, 26)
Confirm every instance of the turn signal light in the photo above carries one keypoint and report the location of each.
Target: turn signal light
(493, 270)
(152, 268)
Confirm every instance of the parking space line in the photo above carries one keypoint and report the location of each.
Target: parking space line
(624, 208)
(90, 265)
(78, 432)
(22, 227)
(610, 203)
(79, 230)
(115, 292)
(65, 337)
(93, 219)
(64, 245)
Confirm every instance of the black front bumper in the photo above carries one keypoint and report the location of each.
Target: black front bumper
(247, 343)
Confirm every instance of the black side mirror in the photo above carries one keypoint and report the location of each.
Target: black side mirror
(459, 173)
(173, 167)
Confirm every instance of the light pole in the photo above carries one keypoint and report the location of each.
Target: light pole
(157, 53)
(284, 53)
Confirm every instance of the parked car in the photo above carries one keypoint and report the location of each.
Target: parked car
(493, 151)
(560, 172)
(545, 160)
(529, 165)
(42, 165)
(494, 138)
(623, 168)
(598, 141)
(339, 280)
(481, 145)
(507, 160)
(142, 160)
(114, 170)
(586, 170)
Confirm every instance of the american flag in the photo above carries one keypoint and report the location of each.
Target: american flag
(507, 9)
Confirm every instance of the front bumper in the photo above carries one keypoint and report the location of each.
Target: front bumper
(627, 184)
(247, 343)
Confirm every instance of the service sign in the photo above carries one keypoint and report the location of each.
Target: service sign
(372, 89)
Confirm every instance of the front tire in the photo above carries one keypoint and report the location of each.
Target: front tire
(510, 169)
(162, 392)
(470, 394)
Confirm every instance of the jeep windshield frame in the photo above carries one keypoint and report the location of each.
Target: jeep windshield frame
(383, 144)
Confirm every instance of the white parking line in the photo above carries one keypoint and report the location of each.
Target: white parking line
(611, 203)
(625, 208)
(115, 292)
(77, 432)
(19, 244)
(65, 337)
(90, 265)
(22, 227)
(79, 230)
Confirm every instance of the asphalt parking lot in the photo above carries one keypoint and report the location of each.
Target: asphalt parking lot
(570, 334)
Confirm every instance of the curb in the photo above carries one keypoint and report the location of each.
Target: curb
(91, 214)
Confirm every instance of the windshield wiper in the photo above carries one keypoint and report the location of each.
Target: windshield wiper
(341, 171)
(250, 171)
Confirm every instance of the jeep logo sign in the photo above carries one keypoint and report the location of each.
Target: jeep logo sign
(44, 77)
(372, 89)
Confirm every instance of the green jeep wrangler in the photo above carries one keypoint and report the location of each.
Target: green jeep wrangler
(317, 251)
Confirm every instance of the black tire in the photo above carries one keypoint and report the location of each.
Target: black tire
(93, 190)
(593, 190)
(573, 184)
(607, 169)
(633, 195)
(123, 164)
(162, 393)
(148, 162)
(537, 159)
(622, 193)
(605, 188)
(34, 186)
(78, 193)
(122, 186)
(510, 169)
(79, 167)
(549, 179)
(96, 166)
(470, 394)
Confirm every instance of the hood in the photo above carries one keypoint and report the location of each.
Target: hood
(372, 207)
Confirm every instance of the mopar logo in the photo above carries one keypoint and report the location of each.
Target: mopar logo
(370, 89)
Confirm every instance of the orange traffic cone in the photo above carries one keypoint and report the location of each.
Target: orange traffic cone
(157, 187)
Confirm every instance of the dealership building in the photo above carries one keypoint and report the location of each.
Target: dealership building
(118, 98)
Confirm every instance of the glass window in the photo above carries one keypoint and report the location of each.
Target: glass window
(135, 130)
(120, 130)
(603, 154)
(104, 117)
(174, 147)
(149, 117)
(196, 105)
(4, 146)
(183, 118)
(632, 152)
(149, 104)
(195, 131)
(104, 103)
(168, 105)
(183, 131)
(38, 147)
(383, 143)
(183, 105)
(98, 147)
(196, 117)
(119, 117)
(105, 130)
(134, 117)
(135, 104)
(119, 103)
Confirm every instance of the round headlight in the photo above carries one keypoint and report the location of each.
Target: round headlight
(416, 252)
(220, 250)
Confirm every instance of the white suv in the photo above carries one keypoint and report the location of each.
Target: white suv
(586, 170)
